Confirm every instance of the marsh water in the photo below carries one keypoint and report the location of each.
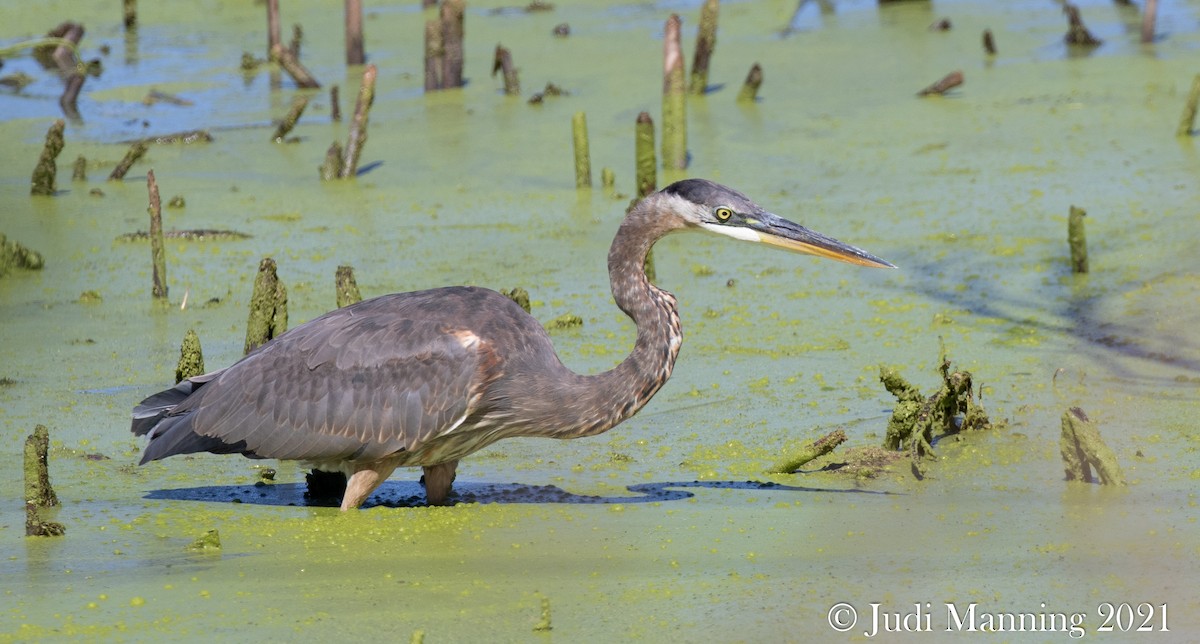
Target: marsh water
(667, 528)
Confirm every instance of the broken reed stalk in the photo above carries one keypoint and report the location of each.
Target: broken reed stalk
(39, 494)
(274, 30)
(1077, 239)
(452, 42)
(69, 101)
(645, 163)
(38, 490)
(191, 357)
(674, 101)
(79, 169)
(354, 33)
(815, 449)
(45, 173)
(297, 39)
(1189, 109)
(335, 107)
(158, 254)
(608, 178)
(948, 82)
(1077, 33)
(65, 57)
(130, 13)
(503, 63)
(283, 56)
(346, 286)
(706, 41)
(1083, 451)
(268, 307)
(583, 160)
(645, 172)
(290, 119)
(1149, 15)
(754, 79)
(135, 152)
(358, 126)
(434, 52)
(989, 43)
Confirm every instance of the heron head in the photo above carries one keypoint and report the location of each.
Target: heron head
(717, 209)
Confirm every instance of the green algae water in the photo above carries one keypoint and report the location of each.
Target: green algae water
(667, 527)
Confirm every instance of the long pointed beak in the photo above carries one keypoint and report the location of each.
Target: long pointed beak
(777, 231)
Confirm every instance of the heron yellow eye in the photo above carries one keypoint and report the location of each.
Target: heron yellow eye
(723, 214)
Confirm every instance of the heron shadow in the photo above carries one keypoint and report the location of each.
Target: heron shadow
(409, 494)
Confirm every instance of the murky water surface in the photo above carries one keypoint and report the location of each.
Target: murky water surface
(665, 529)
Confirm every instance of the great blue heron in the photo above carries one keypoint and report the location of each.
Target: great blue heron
(428, 377)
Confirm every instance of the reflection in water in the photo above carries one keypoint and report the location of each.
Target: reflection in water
(407, 494)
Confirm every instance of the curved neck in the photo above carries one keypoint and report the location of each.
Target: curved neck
(610, 397)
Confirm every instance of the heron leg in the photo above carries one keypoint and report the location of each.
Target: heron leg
(438, 480)
(364, 480)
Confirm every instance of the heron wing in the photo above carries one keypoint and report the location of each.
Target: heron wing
(358, 387)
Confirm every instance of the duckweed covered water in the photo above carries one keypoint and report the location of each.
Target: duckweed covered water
(666, 528)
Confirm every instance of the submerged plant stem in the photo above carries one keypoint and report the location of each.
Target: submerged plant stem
(815, 449)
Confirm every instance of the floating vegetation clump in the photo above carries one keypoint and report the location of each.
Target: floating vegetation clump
(951, 409)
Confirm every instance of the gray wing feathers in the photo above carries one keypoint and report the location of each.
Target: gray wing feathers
(359, 389)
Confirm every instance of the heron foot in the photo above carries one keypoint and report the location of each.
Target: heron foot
(438, 480)
(364, 480)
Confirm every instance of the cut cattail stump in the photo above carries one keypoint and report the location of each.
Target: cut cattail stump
(290, 119)
(452, 43)
(520, 296)
(674, 101)
(268, 307)
(1189, 109)
(335, 107)
(346, 286)
(989, 43)
(158, 254)
(354, 33)
(274, 28)
(39, 494)
(358, 126)
(947, 83)
(608, 178)
(645, 163)
(754, 79)
(135, 152)
(45, 173)
(332, 166)
(191, 357)
(583, 161)
(434, 53)
(706, 41)
(503, 63)
(1077, 33)
(283, 56)
(1149, 15)
(130, 13)
(1077, 240)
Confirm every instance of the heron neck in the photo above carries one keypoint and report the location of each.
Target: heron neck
(622, 391)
